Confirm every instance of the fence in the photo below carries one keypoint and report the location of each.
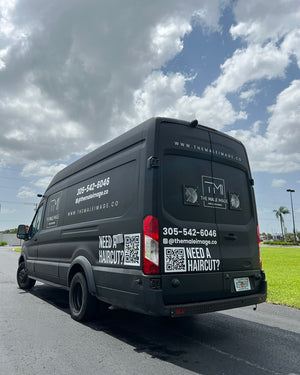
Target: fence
(11, 239)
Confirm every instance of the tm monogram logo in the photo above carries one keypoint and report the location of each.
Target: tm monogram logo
(212, 188)
(213, 192)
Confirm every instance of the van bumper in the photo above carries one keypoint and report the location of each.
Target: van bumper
(215, 305)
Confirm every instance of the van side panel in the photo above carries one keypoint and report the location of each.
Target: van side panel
(102, 211)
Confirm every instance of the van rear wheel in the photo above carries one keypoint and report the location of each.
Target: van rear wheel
(83, 305)
(23, 280)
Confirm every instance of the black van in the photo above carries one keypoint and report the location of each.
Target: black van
(161, 220)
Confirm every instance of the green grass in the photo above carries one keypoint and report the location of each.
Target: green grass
(18, 249)
(282, 267)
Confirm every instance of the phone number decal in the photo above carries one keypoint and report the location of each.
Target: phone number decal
(93, 186)
(192, 232)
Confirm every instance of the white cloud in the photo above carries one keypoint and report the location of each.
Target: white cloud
(6, 24)
(213, 108)
(283, 128)
(278, 182)
(258, 21)
(43, 182)
(273, 37)
(276, 151)
(65, 80)
(251, 64)
(6, 211)
(40, 169)
(165, 95)
(159, 94)
(209, 13)
(256, 127)
(37, 168)
(3, 53)
(276, 26)
(26, 192)
(35, 126)
(248, 95)
(291, 44)
(68, 84)
(246, 66)
(167, 39)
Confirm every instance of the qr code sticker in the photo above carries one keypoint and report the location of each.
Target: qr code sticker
(175, 260)
(132, 249)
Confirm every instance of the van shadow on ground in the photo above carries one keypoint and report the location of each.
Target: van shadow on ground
(206, 344)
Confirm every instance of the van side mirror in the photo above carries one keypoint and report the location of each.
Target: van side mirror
(22, 232)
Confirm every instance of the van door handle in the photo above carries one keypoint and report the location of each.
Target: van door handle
(231, 236)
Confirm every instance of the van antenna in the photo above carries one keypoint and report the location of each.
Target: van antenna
(193, 123)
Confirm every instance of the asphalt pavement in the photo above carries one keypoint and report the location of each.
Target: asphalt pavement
(38, 337)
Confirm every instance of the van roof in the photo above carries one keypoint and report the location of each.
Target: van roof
(123, 141)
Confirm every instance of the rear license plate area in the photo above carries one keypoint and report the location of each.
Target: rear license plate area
(242, 284)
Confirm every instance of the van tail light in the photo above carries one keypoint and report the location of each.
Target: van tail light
(258, 242)
(151, 246)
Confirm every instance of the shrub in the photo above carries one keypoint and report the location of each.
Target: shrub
(281, 243)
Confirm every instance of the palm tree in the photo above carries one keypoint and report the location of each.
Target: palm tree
(279, 214)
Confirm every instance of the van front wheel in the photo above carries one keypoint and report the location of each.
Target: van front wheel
(82, 304)
(23, 280)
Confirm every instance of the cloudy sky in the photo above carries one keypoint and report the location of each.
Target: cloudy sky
(75, 74)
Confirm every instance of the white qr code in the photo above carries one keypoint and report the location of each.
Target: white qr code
(175, 260)
(132, 249)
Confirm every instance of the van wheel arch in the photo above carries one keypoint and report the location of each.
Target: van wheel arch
(81, 264)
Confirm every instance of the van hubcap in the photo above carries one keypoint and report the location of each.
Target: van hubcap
(22, 275)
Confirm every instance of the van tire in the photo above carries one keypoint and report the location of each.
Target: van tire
(83, 306)
(23, 280)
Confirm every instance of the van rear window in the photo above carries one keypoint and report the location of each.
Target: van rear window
(182, 188)
(237, 193)
(196, 189)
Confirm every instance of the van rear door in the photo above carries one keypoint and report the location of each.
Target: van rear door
(191, 269)
(236, 221)
(204, 237)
